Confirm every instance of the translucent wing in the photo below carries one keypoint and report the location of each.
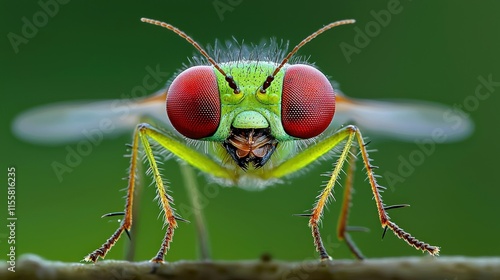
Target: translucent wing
(406, 120)
(71, 121)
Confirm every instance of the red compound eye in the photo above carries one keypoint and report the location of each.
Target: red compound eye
(193, 102)
(307, 102)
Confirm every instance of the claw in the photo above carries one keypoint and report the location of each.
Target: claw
(302, 215)
(128, 234)
(181, 219)
(385, 230)
(113, 214)
(396, 206)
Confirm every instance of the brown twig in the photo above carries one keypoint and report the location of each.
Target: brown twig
(33, 267)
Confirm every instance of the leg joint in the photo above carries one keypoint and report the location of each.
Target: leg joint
(352, 128)
(143, 126)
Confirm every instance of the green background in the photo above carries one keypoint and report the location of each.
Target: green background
(432, 50)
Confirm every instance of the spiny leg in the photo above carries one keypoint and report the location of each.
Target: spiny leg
(319, 149)
(317, 211)
(126, 223)
(183, 152)
(308, 156)
(133, 233)
(342, 228)
(170, 218)
(189, 155)
(383, 216)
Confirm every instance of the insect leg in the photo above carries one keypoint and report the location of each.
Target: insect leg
(142, 133)
(326, 194)
(127, 220)
(383, 216)
(312, 153)
(191, 156)
(342, 228)
(308, 156)
(164, 198)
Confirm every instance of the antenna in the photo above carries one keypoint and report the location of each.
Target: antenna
(270, 78)
(229, 79)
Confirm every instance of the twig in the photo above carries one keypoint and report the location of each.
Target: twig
(452, 268)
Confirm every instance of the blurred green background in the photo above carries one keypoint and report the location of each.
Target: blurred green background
(431, 50)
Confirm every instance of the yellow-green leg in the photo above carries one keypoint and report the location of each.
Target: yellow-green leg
(348, 134)
(143, 133)
(126, 223)
(162, 196)
(342, 228)
(385, 221)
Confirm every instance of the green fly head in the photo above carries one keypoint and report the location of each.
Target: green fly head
(250, 106)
